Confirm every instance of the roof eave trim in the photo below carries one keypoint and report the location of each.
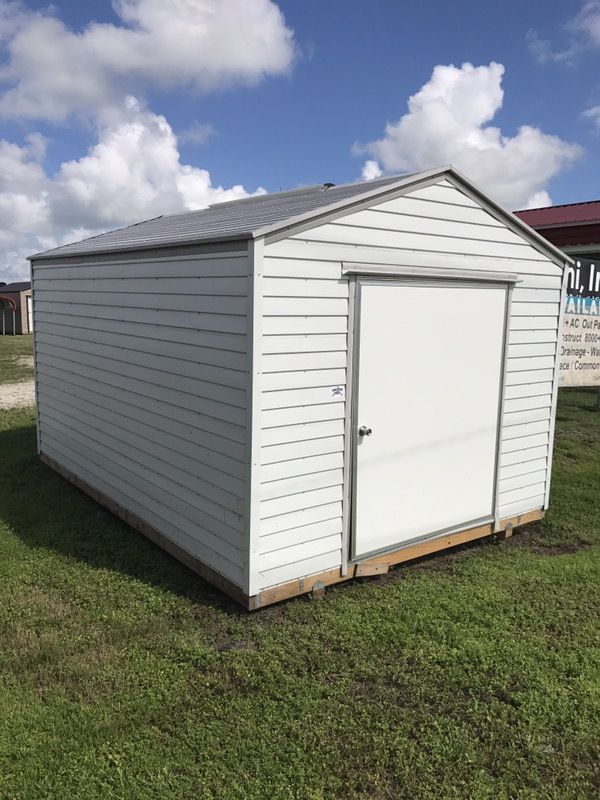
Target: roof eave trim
(233, 237)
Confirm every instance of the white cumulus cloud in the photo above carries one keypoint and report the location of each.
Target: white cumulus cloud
(53, 71)
(538, 200)
(371, 170)
(593, 113)
(133, 169)
(197, 133)
(132, 172)
(582, 33)
(447, 122)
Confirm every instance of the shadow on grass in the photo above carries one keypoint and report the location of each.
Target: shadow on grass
(579, 399)
(46, 511)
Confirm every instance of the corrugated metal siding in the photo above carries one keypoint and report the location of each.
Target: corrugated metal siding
(304, 359)
(142, 371)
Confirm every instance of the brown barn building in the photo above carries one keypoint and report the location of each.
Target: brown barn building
(15, 304)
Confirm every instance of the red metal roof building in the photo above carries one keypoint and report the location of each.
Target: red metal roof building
(575, 227)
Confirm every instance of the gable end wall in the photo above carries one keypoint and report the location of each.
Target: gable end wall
(303, 362)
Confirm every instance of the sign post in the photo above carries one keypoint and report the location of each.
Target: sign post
(579, 363)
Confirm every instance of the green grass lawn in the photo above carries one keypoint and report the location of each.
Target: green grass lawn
(469, 675)
(16, 358)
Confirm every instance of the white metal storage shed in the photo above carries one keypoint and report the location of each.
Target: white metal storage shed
(293, 389)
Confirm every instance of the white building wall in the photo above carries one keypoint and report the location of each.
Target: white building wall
(142, 383)
(304, 360)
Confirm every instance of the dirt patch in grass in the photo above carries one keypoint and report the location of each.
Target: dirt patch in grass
(560, 549)
(17, 395)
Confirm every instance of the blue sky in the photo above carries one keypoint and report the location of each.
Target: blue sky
(302, 83)
(367, 58)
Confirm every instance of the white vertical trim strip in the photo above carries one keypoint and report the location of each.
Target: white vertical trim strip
(356, 316)
(35, 377)
(253, 411)
(348, 432)
(561, 316)
(509, 291)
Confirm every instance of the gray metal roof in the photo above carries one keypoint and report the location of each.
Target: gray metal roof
(236, 219)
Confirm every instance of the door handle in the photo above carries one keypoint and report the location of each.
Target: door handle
(364, 431)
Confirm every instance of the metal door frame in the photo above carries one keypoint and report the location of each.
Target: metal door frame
(363, 273)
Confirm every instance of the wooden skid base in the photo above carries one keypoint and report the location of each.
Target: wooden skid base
(370, 566)
(381, 564)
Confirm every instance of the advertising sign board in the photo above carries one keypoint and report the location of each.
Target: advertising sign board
(579, 354)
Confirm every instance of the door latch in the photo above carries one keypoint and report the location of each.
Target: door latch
(364, 431)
